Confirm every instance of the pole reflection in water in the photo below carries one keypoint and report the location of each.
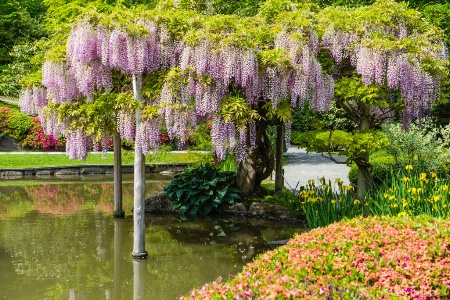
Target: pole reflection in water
(118, 258)
(139, 270)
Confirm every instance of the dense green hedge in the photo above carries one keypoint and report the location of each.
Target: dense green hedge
(15, 123)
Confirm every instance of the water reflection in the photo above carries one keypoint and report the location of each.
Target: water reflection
(59, 241)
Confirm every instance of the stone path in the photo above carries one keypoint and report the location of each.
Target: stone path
(303, 166)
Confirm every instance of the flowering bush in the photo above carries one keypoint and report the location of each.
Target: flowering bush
(200, 138)
(36, 139)
(412, 193)
(364, 258)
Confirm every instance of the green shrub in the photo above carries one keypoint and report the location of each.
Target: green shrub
(321, 141)
(423, 146)
(381, 168)
(200, 138)
(15, 123)
(202, 190)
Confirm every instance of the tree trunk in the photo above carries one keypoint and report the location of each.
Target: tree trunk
(279, 180)
(365, 180)
(139, 185)
(257, 165)
(118, 211)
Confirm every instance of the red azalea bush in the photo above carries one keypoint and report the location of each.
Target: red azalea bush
(36, 139)
(364, 258)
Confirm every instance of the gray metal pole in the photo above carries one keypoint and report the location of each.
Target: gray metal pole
(118, 211)
(139, 185)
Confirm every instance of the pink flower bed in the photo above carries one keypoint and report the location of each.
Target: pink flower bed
(364, 258)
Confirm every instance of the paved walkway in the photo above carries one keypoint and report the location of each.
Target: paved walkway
(303, 166)
(9, 100)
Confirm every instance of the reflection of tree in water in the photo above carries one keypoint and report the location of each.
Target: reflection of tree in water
(67, 198)
(62, 250)
(15, 204)
(56, 198)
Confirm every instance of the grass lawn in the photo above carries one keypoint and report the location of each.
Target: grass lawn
(34, 160)
(9, 105)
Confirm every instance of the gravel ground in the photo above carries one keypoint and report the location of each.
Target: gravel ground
(303, 166)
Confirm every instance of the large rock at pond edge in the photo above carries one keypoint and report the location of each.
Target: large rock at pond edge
(92, 170)
(159, 202)
(66, 172)
(237, 209)
(258, 209)
(11, 174)
(8, 143)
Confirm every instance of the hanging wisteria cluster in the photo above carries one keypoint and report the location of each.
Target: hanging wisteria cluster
(223, 64)
(77, 144)
(32, 100)
(385, 63)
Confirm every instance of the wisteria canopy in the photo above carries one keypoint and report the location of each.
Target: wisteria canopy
(271, 57)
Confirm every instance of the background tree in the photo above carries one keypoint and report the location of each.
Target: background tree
(386, 58)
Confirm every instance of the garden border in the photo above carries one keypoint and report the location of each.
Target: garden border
(12, 173)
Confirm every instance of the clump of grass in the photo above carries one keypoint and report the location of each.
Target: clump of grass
(408, 192)
(354, 259)
(325, 203)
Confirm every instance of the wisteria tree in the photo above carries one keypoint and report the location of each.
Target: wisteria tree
(232, 68)
(386, 60)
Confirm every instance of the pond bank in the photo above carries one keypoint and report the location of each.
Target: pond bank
(11, 173)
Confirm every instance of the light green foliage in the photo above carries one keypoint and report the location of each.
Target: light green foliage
(235, 109)
(271, 9)
(353, 145)
(324, 203)
(360, 144)
(425, 146)
(95, 118)
(202, 190)
(315, 141)
(352, 89)
(282, 112)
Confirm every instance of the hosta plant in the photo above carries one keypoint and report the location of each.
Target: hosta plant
(202, 190)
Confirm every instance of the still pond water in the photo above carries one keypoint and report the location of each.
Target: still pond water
(59, 241)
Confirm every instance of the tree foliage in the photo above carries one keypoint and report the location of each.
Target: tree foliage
(245, 72)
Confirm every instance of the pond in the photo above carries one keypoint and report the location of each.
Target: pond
(58, 240)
